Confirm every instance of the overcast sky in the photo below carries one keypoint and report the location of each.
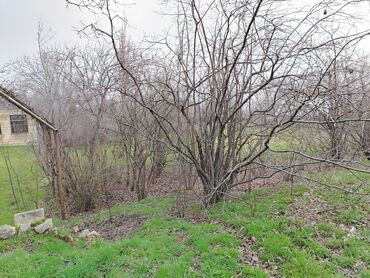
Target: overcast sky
(19, 21)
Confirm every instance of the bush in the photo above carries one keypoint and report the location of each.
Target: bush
(86, 177)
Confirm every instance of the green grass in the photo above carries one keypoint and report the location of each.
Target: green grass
(27, 173)
(293, 245)
(165, 246)
(154, 251)
(356, 207)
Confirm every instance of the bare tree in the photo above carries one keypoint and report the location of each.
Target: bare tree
(235, 74)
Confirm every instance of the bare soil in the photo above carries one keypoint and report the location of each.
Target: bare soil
(121, 226)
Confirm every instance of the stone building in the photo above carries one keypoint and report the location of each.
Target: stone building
(16, 127)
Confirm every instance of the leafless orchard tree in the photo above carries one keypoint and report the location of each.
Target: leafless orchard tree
(339, 97)
(234, 75)
(39, 79)
(77, 89)
(138, 134)
(134, 127)
(87, 168)
(360, 131)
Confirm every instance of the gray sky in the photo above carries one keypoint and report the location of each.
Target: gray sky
(19, 23)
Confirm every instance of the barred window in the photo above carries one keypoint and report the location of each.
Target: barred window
(18, 124)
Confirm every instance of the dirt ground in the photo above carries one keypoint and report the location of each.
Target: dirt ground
(121, 226)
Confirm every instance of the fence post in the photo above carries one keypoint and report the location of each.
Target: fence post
(59, 174)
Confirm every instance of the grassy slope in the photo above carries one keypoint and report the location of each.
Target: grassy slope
(23, 162)
(170, 247)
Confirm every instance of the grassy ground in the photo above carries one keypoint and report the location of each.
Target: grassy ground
(28, 176)
(267, 232)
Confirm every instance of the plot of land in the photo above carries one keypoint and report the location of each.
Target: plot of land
(275, 235)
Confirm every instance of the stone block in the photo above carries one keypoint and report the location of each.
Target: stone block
(24, 228)
(6, 231)
(42, 228)
(29, 216)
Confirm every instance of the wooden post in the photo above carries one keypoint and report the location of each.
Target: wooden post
(48, 151)
(49, 159)
(48, 156)
(60, 187)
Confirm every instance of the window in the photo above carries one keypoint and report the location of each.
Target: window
(18, 124)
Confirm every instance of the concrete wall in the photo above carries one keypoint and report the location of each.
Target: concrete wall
(9, 139)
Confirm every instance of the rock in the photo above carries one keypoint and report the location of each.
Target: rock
(89, 236)
(342, 227)
(75, 229)
(59, 234)
(24, 228)
(29, 216)
(42, 228)
(68, 238)
(54, 232)
(92, 236)
(94, 233)
(83, 234)
(7, 231)
(352, 232)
